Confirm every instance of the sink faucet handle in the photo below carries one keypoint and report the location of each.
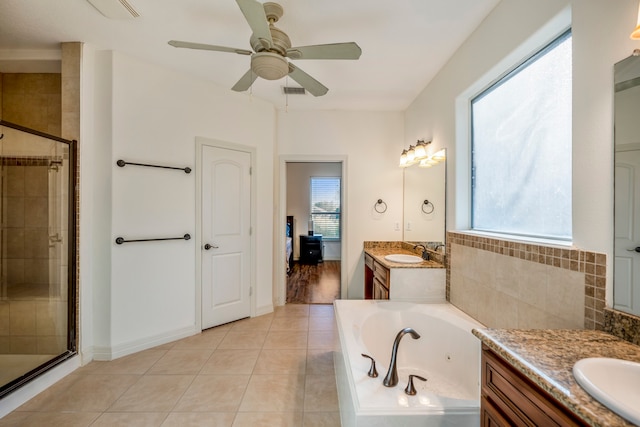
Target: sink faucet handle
(411, 390)
(373, 373)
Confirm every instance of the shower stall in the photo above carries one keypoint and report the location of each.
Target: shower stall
(37, 253)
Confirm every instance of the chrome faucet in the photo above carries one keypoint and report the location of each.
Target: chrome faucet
(391, 379)
(425, 253)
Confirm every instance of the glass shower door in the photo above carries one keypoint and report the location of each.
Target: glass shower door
(37, 309)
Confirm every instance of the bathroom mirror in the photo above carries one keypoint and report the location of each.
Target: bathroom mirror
(626, 269)
(424, 222)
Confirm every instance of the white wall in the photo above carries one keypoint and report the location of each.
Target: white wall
(600, 38)
(372, 143)
(154, 116)
(299, 201)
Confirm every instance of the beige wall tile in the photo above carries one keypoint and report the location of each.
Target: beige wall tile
(23, 318)
(537, 286)
(4, 319)
(23, 345)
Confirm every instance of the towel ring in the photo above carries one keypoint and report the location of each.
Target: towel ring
(427, 204)
(380, 206)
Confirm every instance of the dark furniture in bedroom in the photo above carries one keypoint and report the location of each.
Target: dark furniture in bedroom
(290, 245)
(311, 249)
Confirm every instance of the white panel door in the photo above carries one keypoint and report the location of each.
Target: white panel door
(627, 232)
(226, 241)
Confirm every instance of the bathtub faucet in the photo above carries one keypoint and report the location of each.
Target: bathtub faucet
(391, 379)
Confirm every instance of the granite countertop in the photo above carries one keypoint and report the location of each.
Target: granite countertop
(547, 357)
(379, 253)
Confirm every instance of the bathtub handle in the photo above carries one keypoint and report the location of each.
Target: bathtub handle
(373, 373)
(411, 390)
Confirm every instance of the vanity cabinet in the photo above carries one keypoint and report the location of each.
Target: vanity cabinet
(511, 399)
(377, 279)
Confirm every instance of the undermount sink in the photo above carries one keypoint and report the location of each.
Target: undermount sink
(404, 258)
(612, 382)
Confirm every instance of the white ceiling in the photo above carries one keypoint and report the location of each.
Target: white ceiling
(404, 42)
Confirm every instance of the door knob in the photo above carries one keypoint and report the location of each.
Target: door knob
(636, 249)
(208, 246)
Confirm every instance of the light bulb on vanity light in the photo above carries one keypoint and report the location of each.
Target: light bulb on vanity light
(635, 34)
(404, 161)
(411, 154)
(421, 150)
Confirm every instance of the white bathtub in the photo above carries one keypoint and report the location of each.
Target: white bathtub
(447, 354)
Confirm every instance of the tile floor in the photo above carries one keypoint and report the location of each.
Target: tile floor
(273, 370)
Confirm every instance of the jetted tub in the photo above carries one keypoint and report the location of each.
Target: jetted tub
(446, 354)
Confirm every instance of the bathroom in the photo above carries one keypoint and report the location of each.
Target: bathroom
(115, 291)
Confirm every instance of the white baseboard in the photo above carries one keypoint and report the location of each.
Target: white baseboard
(38, 385)
(120, 350)
(265, 309)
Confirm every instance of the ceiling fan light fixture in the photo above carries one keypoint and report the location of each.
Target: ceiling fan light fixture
(635, 35)
(269, 66)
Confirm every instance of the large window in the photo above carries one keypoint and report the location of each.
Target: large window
(521, 148)
(325, 207)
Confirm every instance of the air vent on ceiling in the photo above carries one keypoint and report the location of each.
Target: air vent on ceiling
(289, 90)
(115, 9)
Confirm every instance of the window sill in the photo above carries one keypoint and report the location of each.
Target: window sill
(565, 244)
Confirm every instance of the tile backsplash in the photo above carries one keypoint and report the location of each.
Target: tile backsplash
(508, 284)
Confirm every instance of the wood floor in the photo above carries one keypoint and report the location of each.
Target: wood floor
(314, 284)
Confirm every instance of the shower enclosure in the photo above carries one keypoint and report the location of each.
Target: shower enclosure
(37, 253)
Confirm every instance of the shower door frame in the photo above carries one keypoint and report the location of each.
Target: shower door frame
(72, 288)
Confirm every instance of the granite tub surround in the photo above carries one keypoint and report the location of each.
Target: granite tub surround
(622, 325)
(547, 357)
(379, 250)
(506, 284)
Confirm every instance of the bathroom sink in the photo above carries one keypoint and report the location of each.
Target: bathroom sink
(404, 258)
(612, 382)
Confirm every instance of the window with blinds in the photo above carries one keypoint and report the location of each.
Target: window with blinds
(325, 207)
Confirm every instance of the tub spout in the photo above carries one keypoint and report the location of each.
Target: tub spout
(391, 379)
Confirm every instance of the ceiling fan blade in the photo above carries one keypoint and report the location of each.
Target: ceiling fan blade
(257, 20)
(245, 81)
(189, 45)
(306, 81)
(349, 50)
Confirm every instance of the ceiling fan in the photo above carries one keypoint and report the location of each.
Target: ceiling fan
(271, 48)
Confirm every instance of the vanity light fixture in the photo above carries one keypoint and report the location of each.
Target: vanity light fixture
(635, 35)
(418, 154)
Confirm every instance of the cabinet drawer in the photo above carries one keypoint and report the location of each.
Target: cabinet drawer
(517, 398)
(381, 273)
(368, 261)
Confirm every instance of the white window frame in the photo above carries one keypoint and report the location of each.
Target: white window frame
(461, 198)
(514, 73)
(311, 213)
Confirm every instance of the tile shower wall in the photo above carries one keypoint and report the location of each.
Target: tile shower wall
(30, 322)
(518, 285)
(32, 100)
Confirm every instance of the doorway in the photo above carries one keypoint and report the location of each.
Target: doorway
(310, 280)
(225, 240)
(37, 252)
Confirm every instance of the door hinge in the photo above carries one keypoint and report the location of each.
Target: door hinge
(250, 231)
(250, 170)
(251, 291)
